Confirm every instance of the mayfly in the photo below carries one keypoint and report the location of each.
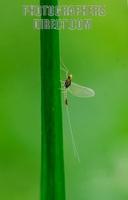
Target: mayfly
(76, 90)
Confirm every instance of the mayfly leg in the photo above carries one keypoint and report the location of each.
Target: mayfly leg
(64, 68)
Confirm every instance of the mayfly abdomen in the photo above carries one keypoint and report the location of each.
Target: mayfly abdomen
(65, 97)
(66, 102)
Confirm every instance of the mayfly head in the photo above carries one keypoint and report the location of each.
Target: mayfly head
(70, 76)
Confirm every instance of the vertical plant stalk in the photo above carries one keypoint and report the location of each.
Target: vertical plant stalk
(52, 160)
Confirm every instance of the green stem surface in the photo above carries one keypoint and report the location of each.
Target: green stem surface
(52, 160)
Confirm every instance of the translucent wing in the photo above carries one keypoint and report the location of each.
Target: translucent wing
(80, 91)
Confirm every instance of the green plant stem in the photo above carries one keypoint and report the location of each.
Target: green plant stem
(52, 160)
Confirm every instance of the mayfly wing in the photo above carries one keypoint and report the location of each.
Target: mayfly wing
(80, 91)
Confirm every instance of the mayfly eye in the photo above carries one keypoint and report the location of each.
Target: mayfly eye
(70, 76)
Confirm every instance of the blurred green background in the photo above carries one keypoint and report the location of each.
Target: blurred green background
(98, 59)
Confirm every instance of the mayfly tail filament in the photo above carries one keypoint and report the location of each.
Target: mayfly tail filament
(76, 154)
